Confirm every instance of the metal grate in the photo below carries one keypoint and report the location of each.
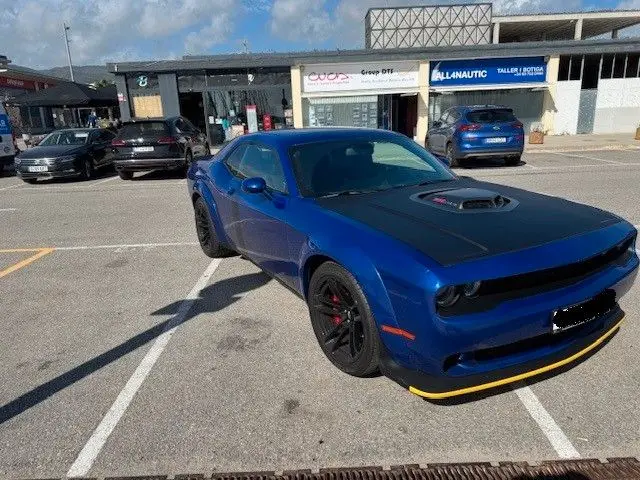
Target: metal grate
(589, 469)
(429, 26)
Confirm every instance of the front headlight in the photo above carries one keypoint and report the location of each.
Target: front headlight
(17, 160)
(447, 296)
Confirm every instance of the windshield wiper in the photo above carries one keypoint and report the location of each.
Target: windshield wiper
(348, 192)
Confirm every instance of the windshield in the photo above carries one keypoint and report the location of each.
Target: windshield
(141, 129)
(491, 116)
(359, 166)
(65, 137)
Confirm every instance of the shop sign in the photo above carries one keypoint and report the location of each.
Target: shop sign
(5, 127)
(360, 76)
(252, 119)
(17, 83)
(495, 71)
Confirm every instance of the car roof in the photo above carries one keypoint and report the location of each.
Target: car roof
(484, 107)
(297, 136)
(75, 130)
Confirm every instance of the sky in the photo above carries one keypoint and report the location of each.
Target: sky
(126, 30)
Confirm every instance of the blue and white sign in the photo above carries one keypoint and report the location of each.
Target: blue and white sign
(5, 127)
(492, 71)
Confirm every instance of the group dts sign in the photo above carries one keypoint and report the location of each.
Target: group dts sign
(493, 71)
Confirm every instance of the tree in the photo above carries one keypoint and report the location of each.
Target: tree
(105, 82)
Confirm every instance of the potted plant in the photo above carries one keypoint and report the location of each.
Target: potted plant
(536, 134)
(638, 132)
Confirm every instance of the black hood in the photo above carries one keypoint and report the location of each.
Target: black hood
(53, 151)
(464, 219)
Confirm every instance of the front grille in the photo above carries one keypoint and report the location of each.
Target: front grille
(493, 292)
(28, 162)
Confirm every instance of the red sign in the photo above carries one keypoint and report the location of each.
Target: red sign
(17, 83)
(266, 122)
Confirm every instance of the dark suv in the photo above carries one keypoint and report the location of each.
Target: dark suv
(144, 145)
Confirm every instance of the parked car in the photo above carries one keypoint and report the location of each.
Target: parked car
(144, 145)
(479, 131)
(77, 152)
(7, 147)
(448, 285)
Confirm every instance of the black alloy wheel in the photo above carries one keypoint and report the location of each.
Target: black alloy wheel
(206, 233)
(342, 320)
(451, 157)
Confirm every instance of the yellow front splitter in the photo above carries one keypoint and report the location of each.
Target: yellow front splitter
(515, 378)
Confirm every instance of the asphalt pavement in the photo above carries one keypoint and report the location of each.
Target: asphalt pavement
(126, 351)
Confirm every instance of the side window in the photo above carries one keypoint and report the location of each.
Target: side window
(234, 159)
(444, 119)
(180, 125)
(454, 116)
(189, 126)
(262, 161)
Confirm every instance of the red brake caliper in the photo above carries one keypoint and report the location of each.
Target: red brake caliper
(337, 319)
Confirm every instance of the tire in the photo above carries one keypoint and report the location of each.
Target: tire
(207, 149)
(340, 312)
(513, 161)
(125, 175)
(451, 157)
(31, 181)
(188, 160)
(87, 170)
(206, 232)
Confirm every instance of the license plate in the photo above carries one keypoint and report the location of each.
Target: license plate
(583, 312)
(142, 149)
(495, 140)
(41, 168)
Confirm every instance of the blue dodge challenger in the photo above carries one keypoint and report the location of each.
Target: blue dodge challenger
(446, 284)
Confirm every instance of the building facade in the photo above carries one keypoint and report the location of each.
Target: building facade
(558, 77)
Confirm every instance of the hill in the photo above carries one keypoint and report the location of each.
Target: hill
(81, 73)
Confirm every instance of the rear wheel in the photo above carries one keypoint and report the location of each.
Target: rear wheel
(125, 175)
(451, 156)
(512, 161)
(206, 233)
(342, 320)
(87, 170)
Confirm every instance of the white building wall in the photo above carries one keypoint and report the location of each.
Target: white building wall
(567, 103)
(617, 105)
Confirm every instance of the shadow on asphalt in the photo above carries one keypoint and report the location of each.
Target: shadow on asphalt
(474, 397)
(159, 175)
(212, 298)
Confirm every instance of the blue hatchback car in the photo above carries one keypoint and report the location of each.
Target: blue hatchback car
(448, 285)
(479, 131)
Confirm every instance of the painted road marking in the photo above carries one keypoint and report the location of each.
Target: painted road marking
(103, 181)
(588, 157)
(127, 245)
(8, 209)
(40, 252)
(92, 448)
(12, 186)
(559, 441)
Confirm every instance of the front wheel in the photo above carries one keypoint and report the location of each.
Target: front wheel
(513, 161)
(87, 170)
(342, 320)
(451, 156)
(31, 181)
(125, 175)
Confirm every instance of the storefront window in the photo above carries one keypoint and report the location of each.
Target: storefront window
(357, 111)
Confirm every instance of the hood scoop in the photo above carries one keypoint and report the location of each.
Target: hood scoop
(466, 200)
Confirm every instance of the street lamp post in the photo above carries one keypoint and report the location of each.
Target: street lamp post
(66, 42)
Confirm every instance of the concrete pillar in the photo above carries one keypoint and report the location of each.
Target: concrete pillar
(42, 119)
(577, 33)
(496, 32)
(549, 102)
(123, 98)
(423, 102)
(296, 96)
(169, 94)
(614, 33)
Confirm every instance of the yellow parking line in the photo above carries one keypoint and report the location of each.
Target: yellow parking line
(40, 252)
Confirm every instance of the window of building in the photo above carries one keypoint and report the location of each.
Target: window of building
(575, 72)
(563, 70)
(590, 71)
(633, 62)
(607, 66)
(619, 63)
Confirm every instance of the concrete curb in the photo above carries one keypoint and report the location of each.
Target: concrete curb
(581, 148)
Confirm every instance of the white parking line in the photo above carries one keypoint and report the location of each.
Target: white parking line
(8, 209)
(127, 245)
(94, 445)
(559, 441)
(103, 181)
(588, 157)
(10, 187)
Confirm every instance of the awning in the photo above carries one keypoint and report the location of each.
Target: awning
(505, 86)
(69, 95)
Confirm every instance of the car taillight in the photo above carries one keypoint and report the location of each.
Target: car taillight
(117, 143)
(167, 140)
(517, 125)
(469, 127)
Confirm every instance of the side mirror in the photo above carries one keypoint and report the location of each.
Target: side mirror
(254, 185)
(437, 124)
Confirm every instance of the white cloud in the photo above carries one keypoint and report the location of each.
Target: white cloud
(110, 30)
(305, 21)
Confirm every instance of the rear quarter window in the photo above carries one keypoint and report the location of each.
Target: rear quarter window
(141, 129)
(490, 116)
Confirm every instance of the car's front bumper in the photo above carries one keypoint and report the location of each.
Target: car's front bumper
(53, 172)
(144, 164)
(441, 387)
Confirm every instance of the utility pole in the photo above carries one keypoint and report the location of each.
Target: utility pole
(66, 42)
(245, 44)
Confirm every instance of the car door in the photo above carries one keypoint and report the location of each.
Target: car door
(198, 139)
(436, 134)
(100, 145)
(262, 228)
(450, 128)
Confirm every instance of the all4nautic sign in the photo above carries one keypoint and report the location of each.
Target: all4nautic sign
(488, 71)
